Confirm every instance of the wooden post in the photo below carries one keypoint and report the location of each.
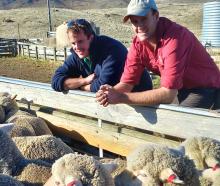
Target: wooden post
(28, 50)
(22, 50)
(19, 49)
(36, 50)
(97, 30)
(45, 53)
(55, 56)
(65, 53)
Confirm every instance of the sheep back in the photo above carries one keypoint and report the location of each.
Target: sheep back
(38, 124)
(47, 148)
(35, 173)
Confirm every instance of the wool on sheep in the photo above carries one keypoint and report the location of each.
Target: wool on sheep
(61, 36)
(13, 163)
(38, 124)
(153, 164)
(204, 151)
(47, 148)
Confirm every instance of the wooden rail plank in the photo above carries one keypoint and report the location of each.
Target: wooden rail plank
(112, 141)
(168, 120)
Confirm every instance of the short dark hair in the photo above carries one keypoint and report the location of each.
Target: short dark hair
(77, 25)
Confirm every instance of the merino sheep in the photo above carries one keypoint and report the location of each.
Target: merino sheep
(61, 36)
(152, 164)
(38, 125)
(211, 176)
(13, 163)
(82, 170)
(47, 148)
(205, 152)
(9, 104)
(26, 123)
(6, 180)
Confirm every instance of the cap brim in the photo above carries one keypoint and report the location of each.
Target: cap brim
(139, 12)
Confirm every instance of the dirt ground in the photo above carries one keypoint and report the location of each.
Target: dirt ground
(28, 69)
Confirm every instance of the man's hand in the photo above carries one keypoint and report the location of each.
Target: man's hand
(108, 95)
(89, 78)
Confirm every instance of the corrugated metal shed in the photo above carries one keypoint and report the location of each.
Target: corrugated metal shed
(211, 24)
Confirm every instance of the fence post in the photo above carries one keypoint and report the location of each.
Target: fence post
(19, 49)
(36, 49)
(65, 53)
(22, 50)
(55, 56)
(45, 53)
(28, 48)
(97, 30)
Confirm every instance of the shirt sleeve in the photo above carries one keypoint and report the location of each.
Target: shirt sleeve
(67, 70)
(133, 66)
(177, 53)
(111, 68)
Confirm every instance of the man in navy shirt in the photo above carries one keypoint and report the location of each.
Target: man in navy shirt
(94, 61)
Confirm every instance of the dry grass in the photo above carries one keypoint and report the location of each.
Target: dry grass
(33, 22)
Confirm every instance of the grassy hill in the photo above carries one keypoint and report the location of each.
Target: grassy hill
(33, 22)
(79, 4)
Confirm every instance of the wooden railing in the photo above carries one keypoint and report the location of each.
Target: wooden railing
(42, 52)
(117, 128)
(8, 47)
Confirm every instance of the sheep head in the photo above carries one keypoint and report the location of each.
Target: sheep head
(169, 176)
(8, 103)
(78, 170)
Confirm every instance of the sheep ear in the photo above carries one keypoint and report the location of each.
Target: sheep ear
(110, 167)
(211, 162)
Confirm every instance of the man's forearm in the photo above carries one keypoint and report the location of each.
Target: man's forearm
(150, 97)
(123, 87)
(73, 83)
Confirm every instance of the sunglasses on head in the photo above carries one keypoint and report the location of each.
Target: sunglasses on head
(79, 22)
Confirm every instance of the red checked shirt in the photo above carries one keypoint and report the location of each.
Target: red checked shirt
(180, 59)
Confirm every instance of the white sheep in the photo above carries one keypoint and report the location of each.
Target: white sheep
(62, 39)
(26, 123)
(204, 151)
(13, 163)
(212, 175)
(82, 170)
(47, 148)
(153, 164)
(36, 124)
(9, 104)
(6, 180)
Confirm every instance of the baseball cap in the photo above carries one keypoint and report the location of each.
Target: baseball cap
(139, 8)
